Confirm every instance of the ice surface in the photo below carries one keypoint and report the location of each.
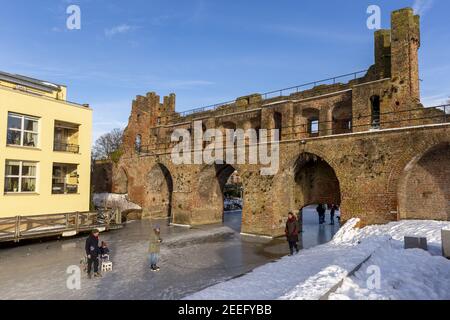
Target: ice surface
(192, 260)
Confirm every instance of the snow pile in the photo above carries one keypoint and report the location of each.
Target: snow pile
(338, 270)
(350, 235)
(114, 201)
(404, 275)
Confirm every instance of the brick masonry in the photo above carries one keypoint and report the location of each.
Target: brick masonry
(398, 172)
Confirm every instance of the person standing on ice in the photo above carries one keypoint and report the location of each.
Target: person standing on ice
(321, 211)
(154, 247)
(92, 253)
(332, 213)
(292, 231)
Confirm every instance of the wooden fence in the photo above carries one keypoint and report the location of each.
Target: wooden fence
(67, 224)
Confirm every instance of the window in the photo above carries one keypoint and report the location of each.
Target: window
(22, 130)
(376, 112)
(20, 176)
(65, 178)
(278, 121)
(313, 127)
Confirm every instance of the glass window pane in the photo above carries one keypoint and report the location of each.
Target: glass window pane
(12, 185)
(13, 137)
(28, 169)
(30, 139)
(14, 122)
(314, 126)
(31, 125)
(28, 184)
(12, 168)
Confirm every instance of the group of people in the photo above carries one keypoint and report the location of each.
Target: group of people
(321, 210)
(96, 251)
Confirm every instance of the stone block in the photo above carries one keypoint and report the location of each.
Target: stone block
(416, 243)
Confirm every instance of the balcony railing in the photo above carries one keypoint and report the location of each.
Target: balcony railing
(64, 188)
(66, 147)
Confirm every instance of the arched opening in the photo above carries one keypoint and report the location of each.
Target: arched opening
(375, 107)
(342, 119)
(220, 196)
(312, 121)
(278, 123)
(316, 184)
(160, 192)
(233, 198)
(121, 182)
(424, 188)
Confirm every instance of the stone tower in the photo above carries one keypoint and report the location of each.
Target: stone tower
(405, 43)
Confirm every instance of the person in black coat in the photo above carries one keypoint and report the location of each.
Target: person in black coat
(334, 208)
(92, 253)
(321, 211)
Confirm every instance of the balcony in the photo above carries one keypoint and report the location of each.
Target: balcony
(66, 137)
(66, 147)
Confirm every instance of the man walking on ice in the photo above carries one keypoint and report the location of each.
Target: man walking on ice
(92, 252)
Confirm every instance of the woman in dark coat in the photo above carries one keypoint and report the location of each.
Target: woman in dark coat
(292, 231)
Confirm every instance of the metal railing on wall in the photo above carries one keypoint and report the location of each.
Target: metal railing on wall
(270, 94)
(387, 120)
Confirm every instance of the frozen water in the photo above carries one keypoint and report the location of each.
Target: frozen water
(192, 260)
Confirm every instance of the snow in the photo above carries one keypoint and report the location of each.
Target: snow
(338, 270)
(404, 275)
(110, 200)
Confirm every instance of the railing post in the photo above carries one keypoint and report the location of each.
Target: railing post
(17, 231)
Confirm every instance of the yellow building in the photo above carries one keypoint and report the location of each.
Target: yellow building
(45, 149)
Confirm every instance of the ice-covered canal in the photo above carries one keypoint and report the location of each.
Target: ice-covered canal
(192, 259)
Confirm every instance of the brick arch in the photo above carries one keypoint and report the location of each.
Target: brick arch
(121, 181)
(316, 179)
(341, 117)
(209, 199)
(317, 151)
(289, 195)
(409, 156)
(424, 186)
(159, 187)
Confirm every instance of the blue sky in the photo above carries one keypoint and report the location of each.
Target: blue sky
(205, 51)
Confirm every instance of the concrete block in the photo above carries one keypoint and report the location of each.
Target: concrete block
(446, 243)
(416, 243)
